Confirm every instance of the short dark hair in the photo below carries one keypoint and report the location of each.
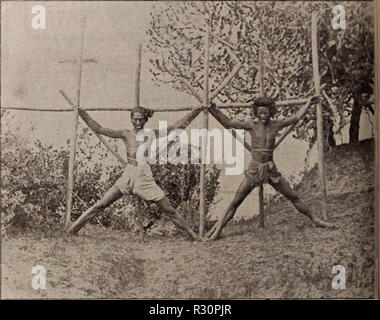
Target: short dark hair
(264, 102)
(148, 113)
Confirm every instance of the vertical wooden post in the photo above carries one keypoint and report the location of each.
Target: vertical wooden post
(261, 72)
(138, 217)
(73, 139)
(202, 197)
(261, 187)
(137, 78)
(321, 169)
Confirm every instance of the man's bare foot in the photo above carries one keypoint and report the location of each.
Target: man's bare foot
(323, 224)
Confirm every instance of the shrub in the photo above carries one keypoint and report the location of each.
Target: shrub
(34, 180)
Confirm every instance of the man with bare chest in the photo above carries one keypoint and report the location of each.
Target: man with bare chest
(137, 177)
(262, 169)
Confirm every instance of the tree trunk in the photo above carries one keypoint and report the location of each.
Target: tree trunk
(355, 119)
(328, 134)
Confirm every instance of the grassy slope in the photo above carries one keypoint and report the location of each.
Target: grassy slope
(287, 259)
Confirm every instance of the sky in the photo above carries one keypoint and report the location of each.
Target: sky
(36, 64)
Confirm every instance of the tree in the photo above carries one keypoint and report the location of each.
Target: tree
(282, 32)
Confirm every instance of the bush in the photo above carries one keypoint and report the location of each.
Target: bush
(34, 180)
(32, 192)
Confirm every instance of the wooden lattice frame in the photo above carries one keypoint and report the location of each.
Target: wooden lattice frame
(205, 101)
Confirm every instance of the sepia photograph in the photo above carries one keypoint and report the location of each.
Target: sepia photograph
(188, 150)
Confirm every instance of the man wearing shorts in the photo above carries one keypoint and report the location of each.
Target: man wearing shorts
(137, 177)
(262, 168)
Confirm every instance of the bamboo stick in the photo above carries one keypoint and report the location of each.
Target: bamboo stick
(192, 90)
(261, 187)
(73, 140)
(226, 81)
(137, 78)
(102, 140)
(246, 105)
(321, 169)
(202, 197)
(86, 206)
(284, 135)
(122, 109)
(37, 109)
(138, 219)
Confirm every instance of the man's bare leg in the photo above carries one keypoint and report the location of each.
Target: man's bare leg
(242, 192)
(180, 223)
(284, 188)
(109, 197)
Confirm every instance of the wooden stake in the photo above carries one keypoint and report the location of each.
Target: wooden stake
(138, 217)
(241, 105)
(102, 140)
(137, 78)
(261, 187)
(284, 135)
(73, 140)
(261, 72)
(202, 197)
(321, 169)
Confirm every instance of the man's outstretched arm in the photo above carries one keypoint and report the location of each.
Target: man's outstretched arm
(98, 128)
(228, 123)
(185, 121)
(299, 114)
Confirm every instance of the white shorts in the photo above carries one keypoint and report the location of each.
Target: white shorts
(139, 180)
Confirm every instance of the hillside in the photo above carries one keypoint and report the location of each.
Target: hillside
(287, 259)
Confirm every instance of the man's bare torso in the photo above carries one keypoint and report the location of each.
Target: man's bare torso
(263, 140)
(131, 144)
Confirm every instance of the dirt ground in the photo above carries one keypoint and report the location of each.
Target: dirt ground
(286, 259)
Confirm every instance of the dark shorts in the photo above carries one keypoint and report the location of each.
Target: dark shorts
(255, 177)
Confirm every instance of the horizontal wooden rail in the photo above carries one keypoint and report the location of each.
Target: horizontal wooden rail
(221, 106)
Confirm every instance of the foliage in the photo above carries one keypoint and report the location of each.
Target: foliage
(34, 179)
(31, 190)
(282, 32)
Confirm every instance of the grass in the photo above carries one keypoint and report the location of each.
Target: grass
(286, 259)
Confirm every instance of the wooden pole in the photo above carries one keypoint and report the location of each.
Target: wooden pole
(102, 140)
(247, 105)
(73, 140)
(202, 197)
(138, 217)
(261, 187)
(321, 169)
(241, 105)
(137, 78)
(284, 135)
(261, 72)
